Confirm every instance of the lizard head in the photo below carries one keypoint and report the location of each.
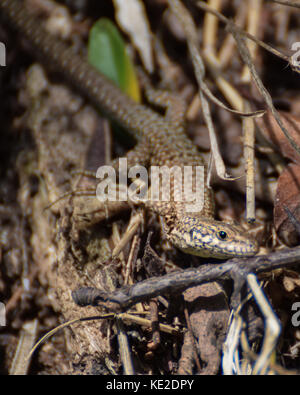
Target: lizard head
(210, 238)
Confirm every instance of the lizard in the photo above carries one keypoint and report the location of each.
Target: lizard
(159, 142)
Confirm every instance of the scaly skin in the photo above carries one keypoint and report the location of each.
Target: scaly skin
(167, 144)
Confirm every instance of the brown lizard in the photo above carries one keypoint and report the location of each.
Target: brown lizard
(159, 143)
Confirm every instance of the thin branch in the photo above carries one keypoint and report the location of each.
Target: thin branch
(236, 269)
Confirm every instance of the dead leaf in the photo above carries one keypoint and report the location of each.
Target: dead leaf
(287, 195)
(133, 20)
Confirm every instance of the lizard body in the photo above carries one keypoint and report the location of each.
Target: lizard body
(163, 143)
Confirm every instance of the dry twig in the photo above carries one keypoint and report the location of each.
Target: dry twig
(234, 269)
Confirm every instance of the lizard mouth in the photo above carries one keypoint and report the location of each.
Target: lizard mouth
(219, 252)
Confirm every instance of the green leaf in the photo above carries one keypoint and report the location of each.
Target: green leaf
(107, 53)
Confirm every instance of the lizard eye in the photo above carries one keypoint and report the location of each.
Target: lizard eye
(222, 235)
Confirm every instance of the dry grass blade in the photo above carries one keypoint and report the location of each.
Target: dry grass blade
(135, 222)
(62, 326)
(249, 141)
(253, 18)
(126, 317)
(210, 27)
(26, 340)
(124, 348)
(272, 327)
(231, 344)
